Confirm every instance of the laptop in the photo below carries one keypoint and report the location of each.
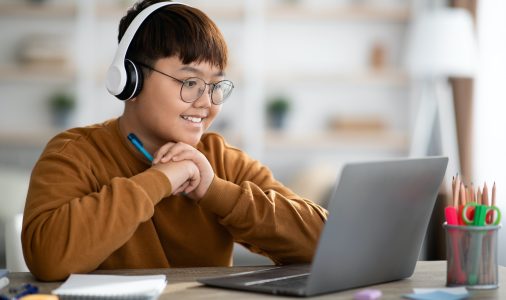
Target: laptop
(378, 216)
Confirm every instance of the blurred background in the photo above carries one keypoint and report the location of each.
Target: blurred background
(318, 83)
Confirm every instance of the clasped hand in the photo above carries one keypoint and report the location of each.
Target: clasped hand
(187, 169)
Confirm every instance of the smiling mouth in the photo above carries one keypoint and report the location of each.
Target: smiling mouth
(193, 119)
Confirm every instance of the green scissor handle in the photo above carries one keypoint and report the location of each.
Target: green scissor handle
(481, 214)
(491, 210)
(464, 213)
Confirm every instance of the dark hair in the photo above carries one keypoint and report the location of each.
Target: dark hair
(174, 30)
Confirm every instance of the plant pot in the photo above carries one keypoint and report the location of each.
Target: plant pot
(61, 118)
(277, 120)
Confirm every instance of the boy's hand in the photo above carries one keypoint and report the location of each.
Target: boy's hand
(179, 152)
(184, 176)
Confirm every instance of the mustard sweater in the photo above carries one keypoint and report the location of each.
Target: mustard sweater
(94, 203)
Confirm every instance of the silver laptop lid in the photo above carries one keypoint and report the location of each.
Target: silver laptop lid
(379, 213)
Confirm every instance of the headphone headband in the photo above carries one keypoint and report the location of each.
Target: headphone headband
(117, 74)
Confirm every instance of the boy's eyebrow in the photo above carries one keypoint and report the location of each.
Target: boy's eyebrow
(200, 73)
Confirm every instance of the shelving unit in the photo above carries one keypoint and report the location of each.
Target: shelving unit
(29, 139)
(246, 25)
(219, 13)
(35, 74)
(333, 74)
(348, 12)
(390, 77)
(25, 10)
(338, 139)
(259, 67)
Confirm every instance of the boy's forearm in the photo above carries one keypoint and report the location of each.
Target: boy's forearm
(77, 235)
(285, 229)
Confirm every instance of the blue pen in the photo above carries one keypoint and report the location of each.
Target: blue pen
(30, 289)
(20, 292)
(138, 144)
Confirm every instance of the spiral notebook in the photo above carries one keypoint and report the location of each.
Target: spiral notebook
(118, 287)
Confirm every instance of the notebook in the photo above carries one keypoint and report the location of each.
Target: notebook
(378, 216)
(4, 280)
(91, 287)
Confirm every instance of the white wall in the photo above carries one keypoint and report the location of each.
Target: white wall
(490, 105)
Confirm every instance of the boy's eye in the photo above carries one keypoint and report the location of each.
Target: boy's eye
(190, 83)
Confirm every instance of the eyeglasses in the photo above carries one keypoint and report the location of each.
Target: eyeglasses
(193, 88)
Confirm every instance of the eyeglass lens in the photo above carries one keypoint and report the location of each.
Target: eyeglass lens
(193, 88)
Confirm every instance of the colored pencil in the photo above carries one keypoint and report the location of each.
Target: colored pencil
(485, 195)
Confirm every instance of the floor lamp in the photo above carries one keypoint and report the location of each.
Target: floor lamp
(441, 44)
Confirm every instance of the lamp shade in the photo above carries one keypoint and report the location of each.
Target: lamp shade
(441, 43)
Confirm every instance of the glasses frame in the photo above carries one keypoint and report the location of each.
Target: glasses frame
(212, 86)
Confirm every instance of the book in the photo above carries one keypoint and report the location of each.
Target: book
(98, 287)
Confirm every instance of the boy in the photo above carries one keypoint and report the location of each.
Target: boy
(101, 199)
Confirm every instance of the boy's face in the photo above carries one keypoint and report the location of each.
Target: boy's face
(162, 112)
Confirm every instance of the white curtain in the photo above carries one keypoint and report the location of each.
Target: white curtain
(489, 161)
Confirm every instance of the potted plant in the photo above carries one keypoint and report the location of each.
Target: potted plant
(62, 105)
(277, 109)
(36, 2)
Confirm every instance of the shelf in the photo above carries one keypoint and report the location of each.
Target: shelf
(352, 12)
(40, 11)
(370, 77)
(357, 12)
(236, 14)
(101, 10)
(214, 12)
(43, 73)
(342, 139)
(27, 139)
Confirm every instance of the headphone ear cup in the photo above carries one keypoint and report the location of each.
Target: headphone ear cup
(134, 81)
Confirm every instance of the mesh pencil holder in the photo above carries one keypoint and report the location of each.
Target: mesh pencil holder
(471, 253)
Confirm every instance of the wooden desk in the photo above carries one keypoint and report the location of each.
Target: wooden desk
(182, 285)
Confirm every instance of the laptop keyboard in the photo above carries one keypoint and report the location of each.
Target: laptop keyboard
(296, 281)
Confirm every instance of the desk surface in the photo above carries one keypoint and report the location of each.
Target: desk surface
(182, 284)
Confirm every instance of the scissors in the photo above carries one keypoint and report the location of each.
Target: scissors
(483, 214)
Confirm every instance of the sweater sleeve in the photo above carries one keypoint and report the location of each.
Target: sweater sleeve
(72, 224)
(261, 213)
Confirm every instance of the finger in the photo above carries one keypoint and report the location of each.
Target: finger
(171, 151)
(185, 155)
(195, 180)
(158, 155)
(188, 187)
(181, 188)
(175, 150)
(191, 187)
(184, 186)
(193, 155)
(162, 151)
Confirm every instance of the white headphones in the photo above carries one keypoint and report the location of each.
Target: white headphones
(124, 78)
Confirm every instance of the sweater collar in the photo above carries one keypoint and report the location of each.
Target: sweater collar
(126, 146)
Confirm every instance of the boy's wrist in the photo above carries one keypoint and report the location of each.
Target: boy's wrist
(177, 173)
(154, 182)
(220, 197)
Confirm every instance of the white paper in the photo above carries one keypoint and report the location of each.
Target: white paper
(148, 286)
(451, 290)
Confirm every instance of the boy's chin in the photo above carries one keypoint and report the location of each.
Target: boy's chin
(192, 141)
